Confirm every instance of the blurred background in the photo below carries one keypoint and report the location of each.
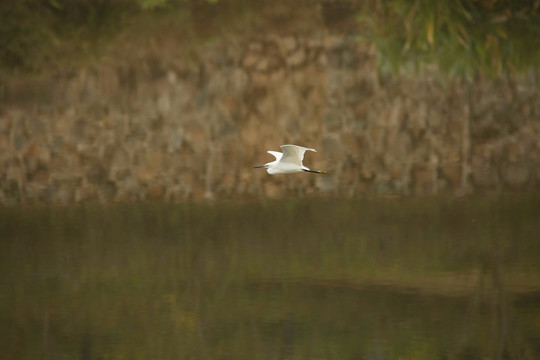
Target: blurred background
(176, 99)
(133, 225)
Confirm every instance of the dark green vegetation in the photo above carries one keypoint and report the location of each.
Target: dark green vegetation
(37, 36)
(464, 38)
(456, 279)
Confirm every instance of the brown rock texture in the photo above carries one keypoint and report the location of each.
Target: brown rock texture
(176, 129)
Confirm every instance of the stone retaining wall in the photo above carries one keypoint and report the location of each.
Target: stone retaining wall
(186, 127)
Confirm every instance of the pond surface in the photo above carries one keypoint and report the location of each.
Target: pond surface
(302, 279)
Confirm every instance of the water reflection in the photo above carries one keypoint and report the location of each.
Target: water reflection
(280, 280)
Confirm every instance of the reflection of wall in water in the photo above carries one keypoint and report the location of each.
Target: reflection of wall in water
(167, 127)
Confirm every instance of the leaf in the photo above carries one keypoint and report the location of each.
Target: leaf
(499, 19)
(55, 4)
(431, 30)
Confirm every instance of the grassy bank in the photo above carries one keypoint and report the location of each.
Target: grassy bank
(462, 38)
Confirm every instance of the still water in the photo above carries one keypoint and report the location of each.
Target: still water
(302, 279)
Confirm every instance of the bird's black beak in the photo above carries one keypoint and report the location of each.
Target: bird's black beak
(260, 166)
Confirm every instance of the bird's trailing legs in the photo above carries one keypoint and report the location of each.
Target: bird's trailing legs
(316, 171)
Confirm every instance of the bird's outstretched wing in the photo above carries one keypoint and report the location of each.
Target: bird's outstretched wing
(294, 154)
(276, 154)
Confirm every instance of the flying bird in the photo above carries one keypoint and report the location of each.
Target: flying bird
(289, 161)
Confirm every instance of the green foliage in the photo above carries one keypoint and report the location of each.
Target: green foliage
(151, 4)
(461, 37)
(23, 35)
(37, 34)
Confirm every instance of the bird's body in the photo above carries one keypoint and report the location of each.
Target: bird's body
(289, 161)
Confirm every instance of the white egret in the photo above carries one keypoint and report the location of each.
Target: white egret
(289, 161)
